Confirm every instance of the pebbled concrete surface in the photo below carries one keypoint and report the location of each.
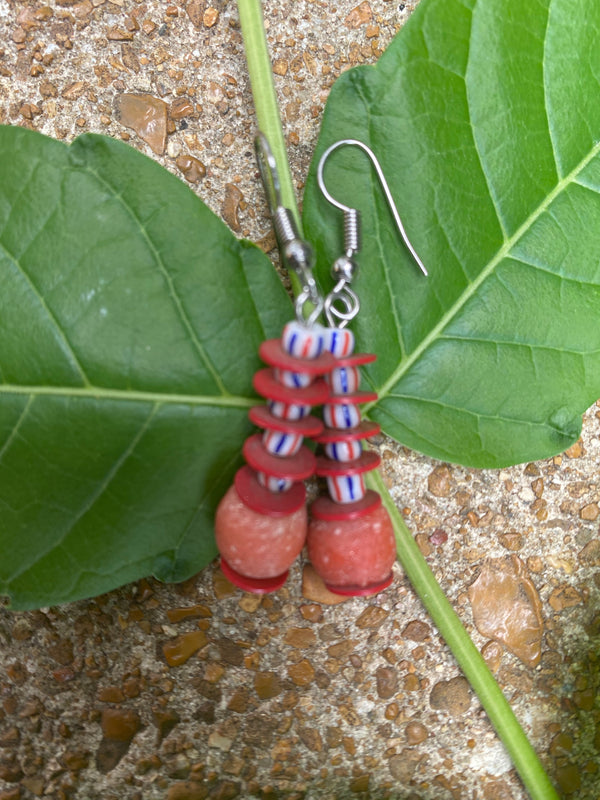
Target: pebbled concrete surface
(129, 696)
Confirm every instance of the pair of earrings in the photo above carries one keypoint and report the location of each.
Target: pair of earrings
(262, 523)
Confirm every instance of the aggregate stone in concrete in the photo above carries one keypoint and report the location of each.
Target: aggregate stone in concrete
(200, 691)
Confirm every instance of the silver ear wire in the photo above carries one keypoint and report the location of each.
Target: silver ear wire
(296, 254)
(341, 304)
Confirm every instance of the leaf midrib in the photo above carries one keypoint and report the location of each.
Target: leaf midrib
(502, 252)
(128, 395)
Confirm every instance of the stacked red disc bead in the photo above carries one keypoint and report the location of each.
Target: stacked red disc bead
(351, 540)
(261, 523)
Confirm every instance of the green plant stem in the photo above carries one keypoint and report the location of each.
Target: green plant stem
(265, 97)
(445, 619)
(466, 654)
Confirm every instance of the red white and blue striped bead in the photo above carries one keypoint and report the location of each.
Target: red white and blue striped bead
(345, 463)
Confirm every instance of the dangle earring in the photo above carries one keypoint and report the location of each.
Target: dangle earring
(261, 523)
(351, 541)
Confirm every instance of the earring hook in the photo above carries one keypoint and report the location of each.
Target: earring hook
(351, 215)
(295, 252)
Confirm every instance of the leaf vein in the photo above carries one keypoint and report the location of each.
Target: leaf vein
(487, 270)
(177, 300)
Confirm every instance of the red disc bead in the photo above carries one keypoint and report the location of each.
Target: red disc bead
(293, 468)
(326, 508)
(254, 585)
(365, 430)
(355, 360)
(307, 426)
(260, 499)
(328, 468)
(273, 354)
(267, 385)
(354, 399)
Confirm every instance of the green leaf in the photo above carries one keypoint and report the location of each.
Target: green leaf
(130, 318)
(485, 116)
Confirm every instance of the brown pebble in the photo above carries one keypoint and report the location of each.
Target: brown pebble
(312, 612)
(371, 617)
(404, 765)
(313, 588)
(507, 608)
(17, 673)
(231, 653)
(416, 631)
(439, 481)
(585, 699)
(301, 638)
(562, 743)
(411, 683)
(210, 17)
(497, 790)
(165, 720)
(301, 673)
(564, 596)
(360, 784)
(280, 66)
(589, 512)
(195, 11)
(111, 694)
(119, 35)
(192, 168)
(221, 586)
(391, 711)
(342, 649)
(422, 541)
(239, 701)
(512, 540)
(452, 696)
(75, 760)
(589, 556)
(180, 108)
(177, 651)
(250, 603)
(568, 777)
(387, 682)
(416, 733)
(187, 790)
(576, 450)
(333, 737)
(147, 116)
(177, 614)
(311, 738)
(231, 206)
(120, 724)
(492, 654)
(267, 685)
(360, 15)
(10, 737)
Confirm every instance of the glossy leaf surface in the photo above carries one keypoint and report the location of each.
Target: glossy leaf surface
(485, 116)
(130, 319)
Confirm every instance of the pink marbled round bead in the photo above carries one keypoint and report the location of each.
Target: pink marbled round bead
(353, 555)
(258, 545)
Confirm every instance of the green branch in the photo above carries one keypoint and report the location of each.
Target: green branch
(445, 619)
(466, 654)
(265, 97)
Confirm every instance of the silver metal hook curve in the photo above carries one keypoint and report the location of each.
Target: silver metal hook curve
(384, 185)
(296, 254)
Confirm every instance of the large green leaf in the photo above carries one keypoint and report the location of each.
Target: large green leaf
(485, 116)
(130, 317)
